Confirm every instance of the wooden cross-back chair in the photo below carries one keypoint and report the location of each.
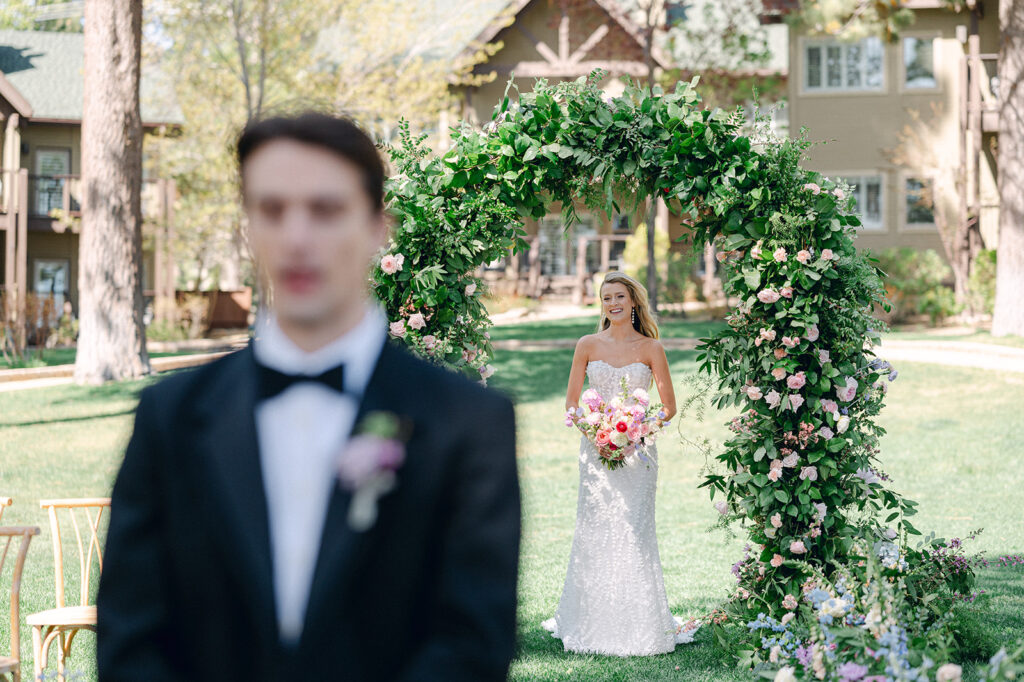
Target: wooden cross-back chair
(11, 665)
(64, 622)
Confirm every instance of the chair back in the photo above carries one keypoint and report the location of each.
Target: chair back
(85, 515)
(4, 503)
(7, 536)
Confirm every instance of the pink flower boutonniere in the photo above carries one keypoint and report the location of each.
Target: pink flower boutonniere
(368, 464)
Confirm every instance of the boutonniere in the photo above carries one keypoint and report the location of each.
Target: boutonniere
(368, 464)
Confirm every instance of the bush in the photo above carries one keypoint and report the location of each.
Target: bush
(982, 282)
(915, 283)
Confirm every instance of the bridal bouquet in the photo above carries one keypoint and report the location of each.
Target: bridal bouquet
(618, 427)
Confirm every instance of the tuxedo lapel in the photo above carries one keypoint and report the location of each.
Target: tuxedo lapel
(339, 544)
(230, 446)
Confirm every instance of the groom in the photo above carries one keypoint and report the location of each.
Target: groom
(321, 505)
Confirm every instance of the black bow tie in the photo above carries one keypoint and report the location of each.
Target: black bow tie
(272, 383)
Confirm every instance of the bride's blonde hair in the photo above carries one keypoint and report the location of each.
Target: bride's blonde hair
(644, 321)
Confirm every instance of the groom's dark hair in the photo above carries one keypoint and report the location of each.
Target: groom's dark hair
(333, 133)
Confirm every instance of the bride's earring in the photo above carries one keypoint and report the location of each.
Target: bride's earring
(634, 315)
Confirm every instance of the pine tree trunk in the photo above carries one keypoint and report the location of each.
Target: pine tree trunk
(1009, 309)
(112, 340)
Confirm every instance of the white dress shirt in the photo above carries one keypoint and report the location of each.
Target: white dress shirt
(301, 432)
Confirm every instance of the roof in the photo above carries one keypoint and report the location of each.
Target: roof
(509, 9)
(46, 69)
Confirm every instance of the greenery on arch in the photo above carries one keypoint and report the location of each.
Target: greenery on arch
(800, 473)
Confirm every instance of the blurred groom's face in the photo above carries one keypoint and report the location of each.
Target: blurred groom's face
(314, 231)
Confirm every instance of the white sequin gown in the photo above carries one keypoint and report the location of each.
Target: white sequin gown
(614, 601)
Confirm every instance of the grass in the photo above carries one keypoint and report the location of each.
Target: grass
(953, 445)
(954, 334)
(66, 356)
(575, 327)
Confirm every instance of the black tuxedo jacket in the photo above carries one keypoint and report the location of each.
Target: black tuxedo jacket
(427, 593)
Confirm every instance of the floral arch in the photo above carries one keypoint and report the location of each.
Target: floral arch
(799, 472)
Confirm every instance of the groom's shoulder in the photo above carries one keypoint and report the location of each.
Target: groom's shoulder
(445, 385)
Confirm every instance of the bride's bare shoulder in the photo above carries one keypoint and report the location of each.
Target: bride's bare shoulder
(587, 341)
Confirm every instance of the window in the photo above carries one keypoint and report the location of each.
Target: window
(831, 66)
(919, 63)
(47, 185)
(918, 195)
(867, 195)
(51, 279)
(558, 247)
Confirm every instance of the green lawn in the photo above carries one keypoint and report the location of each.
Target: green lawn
(954, 445)
(66, 356)
(939, 334)
(575, 327)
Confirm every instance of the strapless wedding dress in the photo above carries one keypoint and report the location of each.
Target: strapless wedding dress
(614, 601)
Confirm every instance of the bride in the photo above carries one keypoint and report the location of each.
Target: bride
(614, 601)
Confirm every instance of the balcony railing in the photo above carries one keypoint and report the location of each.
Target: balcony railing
(49, 194)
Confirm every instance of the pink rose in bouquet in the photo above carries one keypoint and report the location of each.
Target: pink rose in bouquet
(618, 427)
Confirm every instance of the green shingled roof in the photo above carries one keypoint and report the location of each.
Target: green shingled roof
(46, 68)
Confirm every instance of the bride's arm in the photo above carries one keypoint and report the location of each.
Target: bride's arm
(662, 378)
(577, 374)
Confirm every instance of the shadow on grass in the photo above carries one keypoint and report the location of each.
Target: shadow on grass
(64, 420)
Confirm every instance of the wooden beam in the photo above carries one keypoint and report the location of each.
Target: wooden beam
(563, 37)
(589, 44)
(542, 49)
(570, 70)
(21, 259)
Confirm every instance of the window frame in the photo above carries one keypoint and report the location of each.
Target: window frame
(865, 227)
(806, 42)
(906, 225)
(935, 37)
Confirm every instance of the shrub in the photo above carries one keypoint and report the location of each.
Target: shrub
(982, 282)
(915, 283)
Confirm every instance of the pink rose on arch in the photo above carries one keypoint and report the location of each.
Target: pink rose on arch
(753, 392)
(779, 255)
(722, 507)
(813, 188)
(803, 255)
(812, 333)
(796, 381)
(779, 373)
(826, 433)
(790, 460)
(767, 334)
(774, 474)
(797, 547)
(789, 602)
(790, 341)
(391, 263)
(823, 356)
(779, 353)
(773, 398)
(848, 392)
(470, 288)
(839, 194)
(829, 405)
(815, 532)
(768, 296)
(776, 561)
(397, 329)
(417, 321)
(776, 520)
(809, 473)
(826, 254)
(795, 401)
(755, 252)
(786, 292)
(429, 341)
